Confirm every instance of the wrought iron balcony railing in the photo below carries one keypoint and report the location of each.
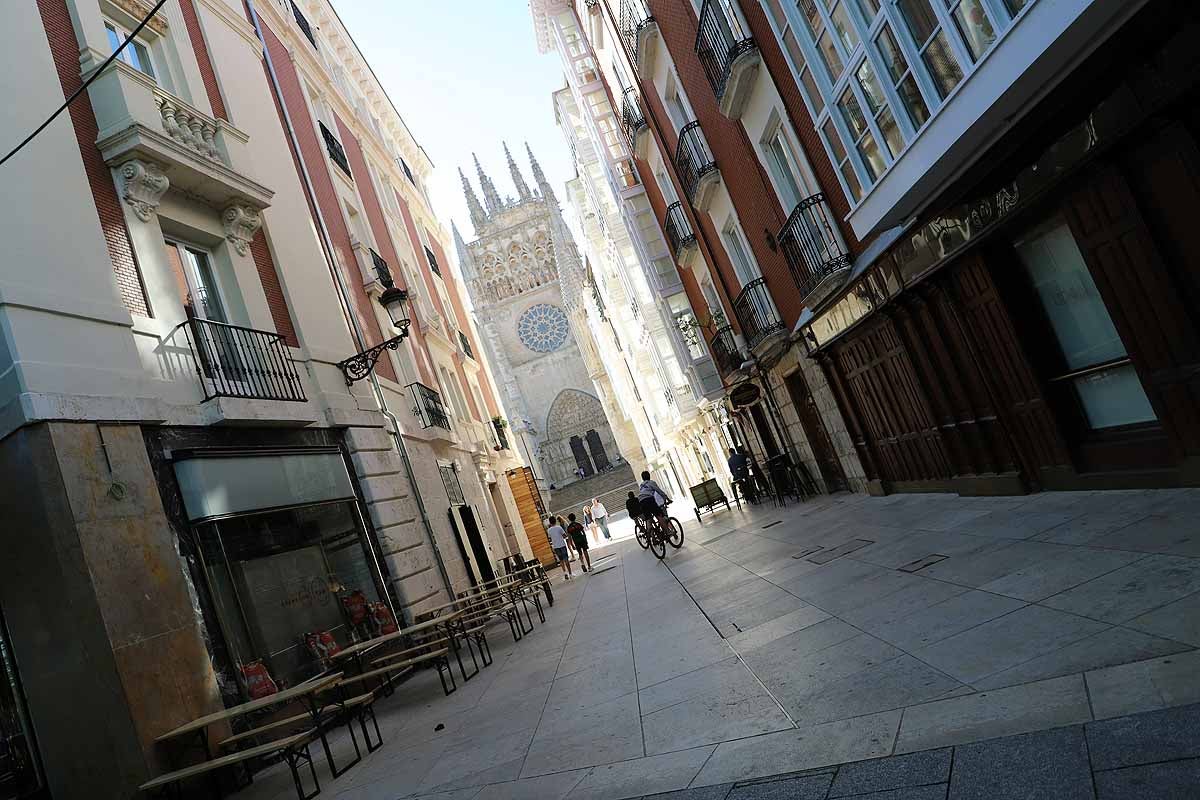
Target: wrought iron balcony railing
(465, 344)
(433, 263)
(811, 245)
(241, 362)
(428, 407)
(501, 434)
(631, 18)
(631, 115)
(724, 351)
(337, 153)
(678, 229)
(302, 21)
(383, 273)
(756, 312)
(693, 159)
(719, 41)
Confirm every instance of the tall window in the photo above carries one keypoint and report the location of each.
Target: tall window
(781, 163)
(677, 108)
(136, 54)
(739, 253)
(873, 72)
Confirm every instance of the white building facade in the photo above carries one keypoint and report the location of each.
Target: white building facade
(198, 471)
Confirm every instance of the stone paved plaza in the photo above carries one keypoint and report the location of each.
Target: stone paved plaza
(916, 629)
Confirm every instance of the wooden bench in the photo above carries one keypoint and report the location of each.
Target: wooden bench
(440, 659)
(708, 495)
(293, 748)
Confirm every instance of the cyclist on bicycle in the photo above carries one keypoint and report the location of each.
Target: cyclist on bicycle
(653, 501)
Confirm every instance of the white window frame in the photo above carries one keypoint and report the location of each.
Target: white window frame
(796, 166)
(867, 31)
(732, 233)
(121, 32)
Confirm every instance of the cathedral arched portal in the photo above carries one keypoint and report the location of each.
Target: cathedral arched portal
(577, 437)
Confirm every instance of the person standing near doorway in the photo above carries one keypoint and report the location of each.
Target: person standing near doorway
(600, 514)
(577, 534)
(558, 540)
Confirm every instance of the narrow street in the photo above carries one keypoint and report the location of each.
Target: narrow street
(780, 640)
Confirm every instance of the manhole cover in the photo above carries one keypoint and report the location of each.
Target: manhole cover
(922, 563)
(841, 550)
(807, 552)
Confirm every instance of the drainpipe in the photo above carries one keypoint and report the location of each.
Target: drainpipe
(347, 309)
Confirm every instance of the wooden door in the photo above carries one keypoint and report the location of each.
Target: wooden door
(815, 432)
(532, 512)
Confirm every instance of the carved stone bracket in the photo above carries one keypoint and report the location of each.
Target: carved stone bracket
(241, 223)
(142, 186)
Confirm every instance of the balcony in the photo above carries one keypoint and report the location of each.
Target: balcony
(813, 250)
(725, 352)
(729, 57)
(241, 362)
(202, 157)
(464, 344)
(337, 153)
(383, 273)
(756, 313)
(696, 167)
(636, 129)
(679, 232)
(499, 426)
(305, 28)
(428, 408)
(433, 262)
(639, 32)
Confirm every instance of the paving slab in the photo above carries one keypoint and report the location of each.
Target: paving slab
(1177, 534)
(895, 683)
(898, 772)
(1001, 712)
(1046, 765)
(1131, 591)
(1066, 568)
(574, 738)
(855, 739)
(1164, 735)
(1176, 780)
(1179, 620)
(804, 787)
(1009, 640)
(640, 776)
(1145, 685)
(777, 628)
(545, 787)
(943, 620)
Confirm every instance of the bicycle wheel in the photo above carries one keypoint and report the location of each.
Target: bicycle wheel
(675, 534)
(639, 530)
(658, 543)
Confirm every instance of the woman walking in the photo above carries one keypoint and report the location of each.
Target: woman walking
(600, 514)
(589, 524)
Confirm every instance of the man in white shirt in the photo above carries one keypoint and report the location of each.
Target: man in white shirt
(600, 514)
(558, 540)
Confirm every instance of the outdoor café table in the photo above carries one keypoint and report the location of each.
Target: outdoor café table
(306, 693)
(359, 650)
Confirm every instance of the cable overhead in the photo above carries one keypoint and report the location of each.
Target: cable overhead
(85, 84)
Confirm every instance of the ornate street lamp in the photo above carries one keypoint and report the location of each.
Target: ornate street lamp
(359, 366)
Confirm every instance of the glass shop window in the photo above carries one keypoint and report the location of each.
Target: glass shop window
(1097, 364)
(291, 587)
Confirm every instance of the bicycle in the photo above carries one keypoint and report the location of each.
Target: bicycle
(655, 538)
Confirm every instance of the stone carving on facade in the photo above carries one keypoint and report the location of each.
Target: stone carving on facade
(241, 223)
(142, 186)
(140, 9)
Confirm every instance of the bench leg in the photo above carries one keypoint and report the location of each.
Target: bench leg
(485, 650)
(294, 757)
(443, 669)
(513, 625)
(528, 618)
(334, 770)
(369, 711)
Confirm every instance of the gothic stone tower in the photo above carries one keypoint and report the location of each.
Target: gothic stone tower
(524, 276)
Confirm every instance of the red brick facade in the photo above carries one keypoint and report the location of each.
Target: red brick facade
(272, 288)
(64, 48)
(196, 35)
(328, 205)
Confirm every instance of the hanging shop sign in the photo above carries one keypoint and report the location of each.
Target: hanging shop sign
(744, 394)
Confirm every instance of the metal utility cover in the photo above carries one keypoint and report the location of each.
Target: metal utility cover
(772, 524)
(841, 550)
(807, 552)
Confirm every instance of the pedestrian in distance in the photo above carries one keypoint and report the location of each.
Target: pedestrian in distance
(633, 507)
(577, 534)
(600, 514)
(589, 523)
(558, 540)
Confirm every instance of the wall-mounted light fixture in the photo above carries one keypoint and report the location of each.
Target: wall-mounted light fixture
(359, 366)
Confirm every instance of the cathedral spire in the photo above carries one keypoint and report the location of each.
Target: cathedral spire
(491, 198)
(518, 179)
(478, 216)
(538, 175)
(464, 257)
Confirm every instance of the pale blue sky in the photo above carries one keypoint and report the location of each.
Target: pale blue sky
(465, 75)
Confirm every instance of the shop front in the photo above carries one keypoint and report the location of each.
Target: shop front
(282, 564)
(1043, 333)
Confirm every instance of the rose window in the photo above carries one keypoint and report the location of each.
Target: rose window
(543, 328)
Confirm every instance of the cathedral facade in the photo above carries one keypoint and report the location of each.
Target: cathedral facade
(525, 280)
